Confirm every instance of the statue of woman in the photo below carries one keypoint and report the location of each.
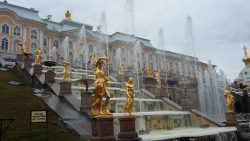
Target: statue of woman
(100, 90)
(229, 98)
(38, 56)
(130, 96)
(66, 71)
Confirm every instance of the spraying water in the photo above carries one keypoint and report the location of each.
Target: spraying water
(211, 93)
(66, 48)
(103, 24)
(162, 47)
(82, 36)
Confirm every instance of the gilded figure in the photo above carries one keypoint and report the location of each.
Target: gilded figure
(66, 71)
(101, 90)
(229, 99)
(158, 80)
(130, 96)
(38, 56)
(20, 48)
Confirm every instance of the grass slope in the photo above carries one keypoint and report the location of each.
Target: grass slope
(17, 102)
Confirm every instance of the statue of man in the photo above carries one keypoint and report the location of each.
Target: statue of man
(66, 71)
(158, 79)
(130, 96)
(229, 98)
(20, 48)
(38, 56)
(100, 90)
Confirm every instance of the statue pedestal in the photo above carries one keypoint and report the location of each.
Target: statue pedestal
(50, 77)
(231, 118)
(86, 102)
(127, 129)
(65, 88)
(27, 62)
(37, 69)
(20, 58)
(102, 128)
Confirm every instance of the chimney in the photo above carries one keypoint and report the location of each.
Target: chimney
(5, 1)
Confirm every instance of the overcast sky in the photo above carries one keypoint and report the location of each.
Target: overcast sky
(220, 27)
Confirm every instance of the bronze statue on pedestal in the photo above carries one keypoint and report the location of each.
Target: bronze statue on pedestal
(101, 90)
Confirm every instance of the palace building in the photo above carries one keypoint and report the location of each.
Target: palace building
(80, 43)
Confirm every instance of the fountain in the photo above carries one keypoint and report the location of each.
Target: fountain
(211, 96)
(66, 48)
(82, 36)
(53, 54)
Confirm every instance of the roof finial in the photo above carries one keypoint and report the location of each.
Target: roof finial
(68, 15)
(245, 50)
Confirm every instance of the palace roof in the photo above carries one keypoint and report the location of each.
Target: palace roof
(24, 13)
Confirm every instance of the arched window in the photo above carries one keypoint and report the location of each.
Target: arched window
(5, 29)
(17, 31)
(5, 44)
(33, 34)
(44, 42)
(71, 45)
(56, 44)
(70, 56)
(91, 50)
(33, 48)
(15, 46)
(81, 46)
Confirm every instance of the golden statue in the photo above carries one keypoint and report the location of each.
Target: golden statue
(158, 80)
(68, 15)
(66, 71)
(150, 73)
(38, 56)
(229, 99)
(100, 90)
(20, 48)
(130, 96)
(121, 68)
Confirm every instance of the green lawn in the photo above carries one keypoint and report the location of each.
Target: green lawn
(17, 102)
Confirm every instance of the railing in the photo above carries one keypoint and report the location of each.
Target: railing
(243, 117)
